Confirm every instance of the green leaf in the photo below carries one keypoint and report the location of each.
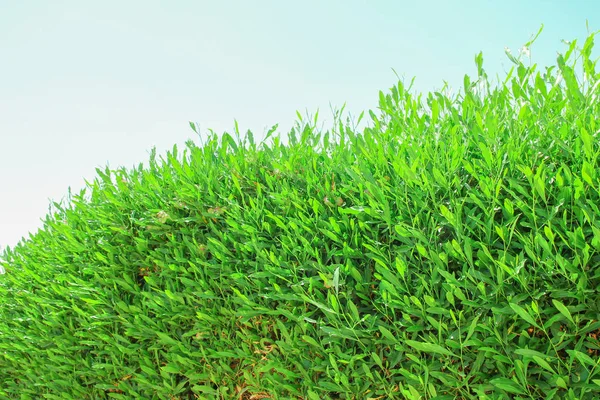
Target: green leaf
(507, 385)
(422, 250)
(311, 341)
(588, 141)
(377, 359)
(166, 339)
(400, 266)
(573, 91)
(448, 215)
(479, 63)
(353, 311)
(544, 364)
(563, 310)
(467, 83)
(538, 358)
(582, 357)
(336, 280)
(387, 334)
(172, 369)
(524, 314)
(435, 111)
(429, 348)
(472, 327)
(487, 154)
(540, 187)
(588, 173)
(530, 353)
(511, 57)
(313, 396)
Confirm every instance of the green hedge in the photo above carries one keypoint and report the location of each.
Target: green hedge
(450, 250)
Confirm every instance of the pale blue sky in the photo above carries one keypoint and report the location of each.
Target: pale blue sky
(84, 83)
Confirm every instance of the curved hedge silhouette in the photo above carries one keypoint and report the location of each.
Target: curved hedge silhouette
(450, 250)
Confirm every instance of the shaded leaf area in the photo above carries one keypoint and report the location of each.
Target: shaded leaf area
(450, 250)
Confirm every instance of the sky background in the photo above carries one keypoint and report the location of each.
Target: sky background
(87, 84)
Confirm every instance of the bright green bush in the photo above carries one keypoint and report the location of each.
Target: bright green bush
(448, 251)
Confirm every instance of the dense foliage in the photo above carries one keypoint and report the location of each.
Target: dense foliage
(450, 250)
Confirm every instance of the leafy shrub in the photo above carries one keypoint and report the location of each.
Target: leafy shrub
(448, 251)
